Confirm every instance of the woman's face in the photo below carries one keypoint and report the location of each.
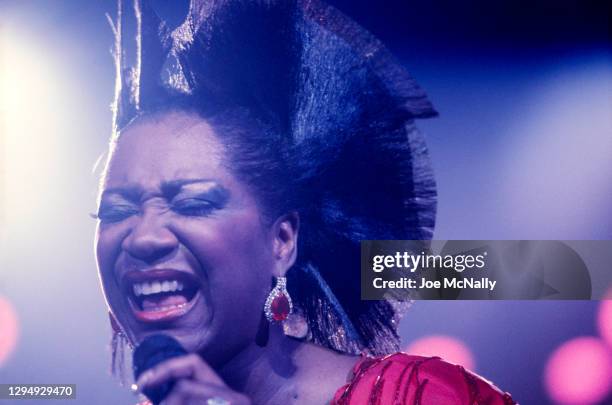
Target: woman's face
(181, 246)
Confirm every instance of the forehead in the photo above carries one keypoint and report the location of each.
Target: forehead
(162, 148)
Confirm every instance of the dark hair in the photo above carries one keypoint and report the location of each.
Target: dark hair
(316, 116)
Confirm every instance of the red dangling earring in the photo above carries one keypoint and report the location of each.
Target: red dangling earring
(278, 305)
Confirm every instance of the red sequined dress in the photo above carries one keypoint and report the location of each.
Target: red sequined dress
(402, 379)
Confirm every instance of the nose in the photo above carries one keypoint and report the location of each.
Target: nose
(150, 239)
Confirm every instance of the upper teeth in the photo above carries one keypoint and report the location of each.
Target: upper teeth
(155, 287)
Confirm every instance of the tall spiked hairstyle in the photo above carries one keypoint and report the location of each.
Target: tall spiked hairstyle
(326, 127)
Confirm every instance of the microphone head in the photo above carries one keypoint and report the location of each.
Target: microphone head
(150, 352)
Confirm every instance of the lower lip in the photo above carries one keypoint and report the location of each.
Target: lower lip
(164, 315)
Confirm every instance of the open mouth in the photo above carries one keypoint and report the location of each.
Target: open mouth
(160, 295)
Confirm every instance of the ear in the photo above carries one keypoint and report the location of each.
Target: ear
(284, 245)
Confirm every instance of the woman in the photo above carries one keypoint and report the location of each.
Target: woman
(254, 147)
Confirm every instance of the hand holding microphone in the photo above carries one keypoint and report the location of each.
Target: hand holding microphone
(164, 371)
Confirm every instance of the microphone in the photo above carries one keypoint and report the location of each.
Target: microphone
(151, 351)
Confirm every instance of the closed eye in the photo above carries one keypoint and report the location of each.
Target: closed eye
(116, 212)
(193, 207)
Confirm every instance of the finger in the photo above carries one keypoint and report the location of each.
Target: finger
(190, 392)
(191, 366)
(181, 394)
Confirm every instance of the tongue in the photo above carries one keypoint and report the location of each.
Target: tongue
(153, 303)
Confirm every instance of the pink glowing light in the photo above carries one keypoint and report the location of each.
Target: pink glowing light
(9, 329)
(579, 372)
(448, 348)
(604, 319)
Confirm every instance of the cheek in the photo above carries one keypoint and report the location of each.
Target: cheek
(108, 248)
(231, 248)
(235, 258)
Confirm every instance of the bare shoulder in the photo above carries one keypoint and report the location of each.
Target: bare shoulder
(323, 371)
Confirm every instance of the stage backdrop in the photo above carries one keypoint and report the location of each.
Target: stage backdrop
(521, 150)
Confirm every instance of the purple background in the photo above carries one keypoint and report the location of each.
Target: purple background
(521, 150)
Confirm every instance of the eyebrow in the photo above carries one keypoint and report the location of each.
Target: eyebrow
(132, 193)
(168, 188)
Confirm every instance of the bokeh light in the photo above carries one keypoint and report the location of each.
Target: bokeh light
(448, 348)
(30, 109)
(543, 144)
(9, 330)
(604, 320)
(579, 372)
